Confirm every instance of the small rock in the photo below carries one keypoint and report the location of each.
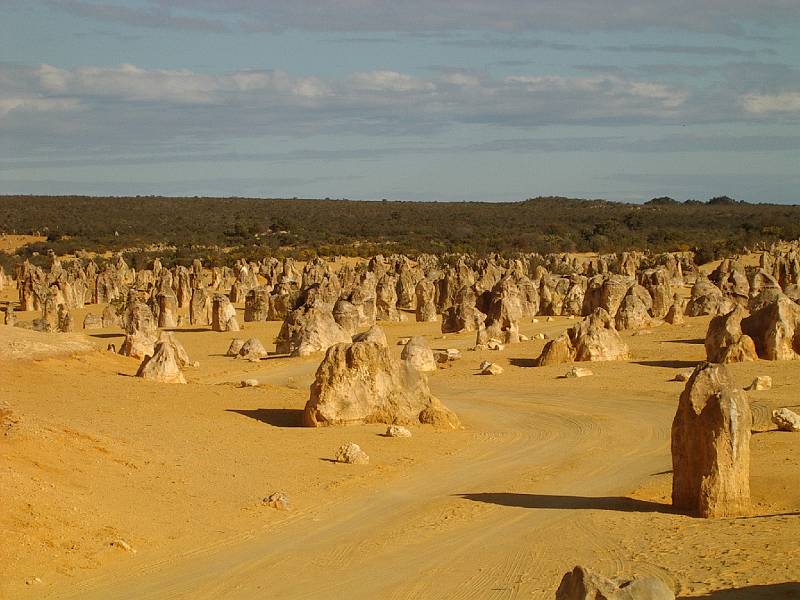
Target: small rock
(578, 372)
(683, 375)
(278, 501)
(352, 454)
(550, 319)
(249, 383)
(760, 383)
(196, 364)
(397, 431)
(484, 364)
(111, 348)
(122, 545)
(643, 332)
(495, 345)
(786, 420)
(403, 341)
(492, 369)
(33, 581)
(535, 321)
(523, 338)
(571, 317)
(539, 336)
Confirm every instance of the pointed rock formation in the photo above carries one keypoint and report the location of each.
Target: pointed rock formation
(711, 445)
(362, 383)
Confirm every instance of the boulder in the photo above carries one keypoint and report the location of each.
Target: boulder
(711, 445)
(725, 342)
(163, 365)
(361, 382)
(674, 314)
(235, 347)
(418, 354)
(397, 431)
(491, 369)
(253, 350)
(786, 420)
(352, 454)
(760, 384)
(583, 584)
(309, 329)
(775, 329)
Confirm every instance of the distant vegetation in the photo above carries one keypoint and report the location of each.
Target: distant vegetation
(225, 228)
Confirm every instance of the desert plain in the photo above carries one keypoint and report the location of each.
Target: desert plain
(118, 487)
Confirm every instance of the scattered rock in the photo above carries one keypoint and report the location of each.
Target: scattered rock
(253, 350)
(403, 341)
(495, 345)
(397, 431)
(249, 383)
(352, 454)
(236, 345)
(278, 501)
(583, 584)
(786, 420)
(575, 372)
(491, 369)
(122, 545)
(760, 384)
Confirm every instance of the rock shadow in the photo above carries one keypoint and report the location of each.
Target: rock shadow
(774, 591)
(700, 341)
(277, 417)
(522, 362)
(106, 336)
(546, 501)
(669, 364)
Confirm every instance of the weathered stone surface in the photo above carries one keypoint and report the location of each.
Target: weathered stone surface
(223, 314)
(725, 342)
(786, 420)
(583, 584)
(309, 329)
(491, 369)
(419, 355)
(463, 315)
(235, 346)
(775, 329)
(253, 350)
(162, 366)
(711, 445)
(352, 454)
(278, 501)
(373, 334)
(675, 314)
(397, 431)
(760, 384)
(576, 372)
(426, 301)
(362, 383)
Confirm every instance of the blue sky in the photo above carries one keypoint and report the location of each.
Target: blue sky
(413, 100)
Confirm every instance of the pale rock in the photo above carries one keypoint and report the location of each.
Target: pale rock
(786, 420)
(397, 431)
(352, 454)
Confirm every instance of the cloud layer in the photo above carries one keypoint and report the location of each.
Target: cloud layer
(721, 16)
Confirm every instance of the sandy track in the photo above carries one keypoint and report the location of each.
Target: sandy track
(475, 525)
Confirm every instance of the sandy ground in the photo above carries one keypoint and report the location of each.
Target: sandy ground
(12, 243)
(114, 487)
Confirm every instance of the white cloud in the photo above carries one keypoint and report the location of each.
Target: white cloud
(761, 104)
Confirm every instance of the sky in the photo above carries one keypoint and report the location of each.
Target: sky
(405, 100)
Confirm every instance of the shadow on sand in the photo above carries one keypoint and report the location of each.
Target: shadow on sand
(775, 591)
(522, 362)
(668, 364)
(277, 417)
(617, 503)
